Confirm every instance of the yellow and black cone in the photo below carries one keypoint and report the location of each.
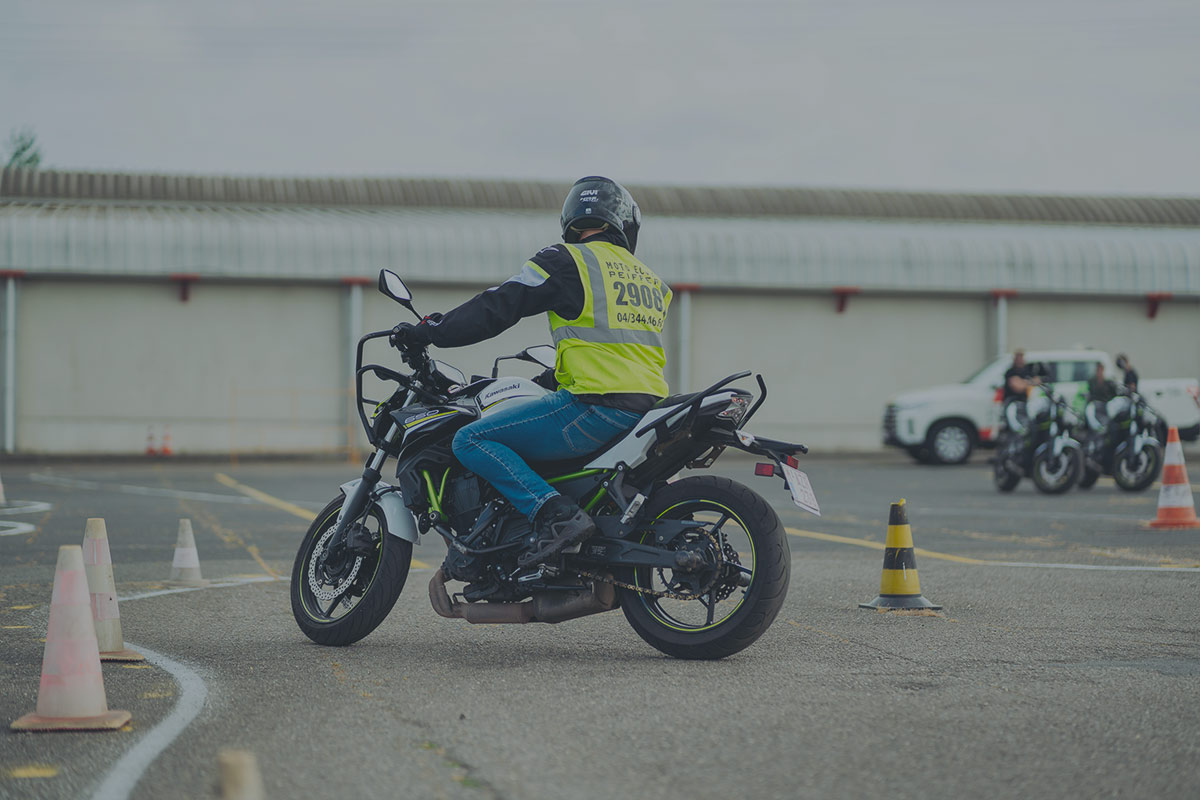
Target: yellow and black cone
(899, 587)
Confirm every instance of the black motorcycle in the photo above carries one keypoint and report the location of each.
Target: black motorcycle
(1040, 446)
(699, 565)
(1122, 437)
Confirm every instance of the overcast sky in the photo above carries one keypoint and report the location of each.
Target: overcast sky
(1024, 95)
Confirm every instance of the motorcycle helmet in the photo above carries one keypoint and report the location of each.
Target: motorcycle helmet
(596, 202)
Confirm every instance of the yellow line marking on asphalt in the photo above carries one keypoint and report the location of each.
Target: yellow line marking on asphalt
(135, 666)
(13, 627)
(21, 608)
(829, 537)
(263, 497)
(32, 771)
(282, 505)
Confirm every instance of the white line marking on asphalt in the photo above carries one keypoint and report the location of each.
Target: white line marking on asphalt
(125, 774)
(25, 507)
(149, 491)
(1008, 514)
(1103, 567)
(15, 528)
(182, 589)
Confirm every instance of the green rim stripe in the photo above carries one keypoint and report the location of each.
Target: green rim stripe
(724, 619)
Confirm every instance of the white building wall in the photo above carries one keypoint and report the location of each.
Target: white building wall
(1167, 346)
(236, 368)
(829, 375)
(263, 367)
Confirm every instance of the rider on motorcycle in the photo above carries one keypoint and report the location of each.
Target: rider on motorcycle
(606, 311)
(1099, 391)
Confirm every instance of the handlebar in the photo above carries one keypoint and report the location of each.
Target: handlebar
(417, 358)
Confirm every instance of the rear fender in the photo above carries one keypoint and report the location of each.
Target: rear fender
(400, 522)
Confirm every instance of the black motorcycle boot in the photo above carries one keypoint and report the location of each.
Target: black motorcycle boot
(559, 524)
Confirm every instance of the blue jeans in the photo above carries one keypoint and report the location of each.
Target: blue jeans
(550, 428)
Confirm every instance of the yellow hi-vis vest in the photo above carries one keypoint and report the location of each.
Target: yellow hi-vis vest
(616, 343)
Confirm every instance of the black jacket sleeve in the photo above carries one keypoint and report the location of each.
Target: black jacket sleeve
(548, 282)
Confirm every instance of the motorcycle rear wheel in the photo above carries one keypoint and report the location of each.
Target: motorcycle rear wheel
(750, 535)
(337, 611)
(1089, 478)
(1005, 479)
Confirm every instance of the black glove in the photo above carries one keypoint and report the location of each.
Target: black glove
(408, 335)
(547, 380)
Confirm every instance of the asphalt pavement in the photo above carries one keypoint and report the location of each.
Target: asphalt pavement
(1066, 661)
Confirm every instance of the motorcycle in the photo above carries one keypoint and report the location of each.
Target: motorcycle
(699, 565)
(1122, 437)
(1040, 446)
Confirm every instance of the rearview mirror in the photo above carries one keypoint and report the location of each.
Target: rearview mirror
(393, 286)
(543, 354)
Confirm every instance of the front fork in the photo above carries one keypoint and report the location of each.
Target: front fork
(356, 502)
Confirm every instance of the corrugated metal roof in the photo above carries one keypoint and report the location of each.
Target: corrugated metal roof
(483, 247)
(20, 184)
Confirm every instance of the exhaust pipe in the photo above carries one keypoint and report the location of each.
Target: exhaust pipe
(544, 607)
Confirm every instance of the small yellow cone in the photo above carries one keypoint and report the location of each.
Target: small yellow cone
(185, 568)
(97, 563)
(240, 778)
(899, 586)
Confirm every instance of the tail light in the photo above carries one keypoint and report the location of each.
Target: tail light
(738, 405)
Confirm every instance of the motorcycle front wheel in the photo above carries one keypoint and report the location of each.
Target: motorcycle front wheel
(739, 591)
(1056, 474)
(1135, 472)
(337, 597)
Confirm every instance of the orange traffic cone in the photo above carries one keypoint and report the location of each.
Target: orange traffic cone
(151, 450)
(97, 563)
(899, 587)
(1176, 508)
(185, 567)
(166, 450)
(71, 696)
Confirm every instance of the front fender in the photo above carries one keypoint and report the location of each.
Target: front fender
(400, 522)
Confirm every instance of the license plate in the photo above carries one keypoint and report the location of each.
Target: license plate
(802, 491)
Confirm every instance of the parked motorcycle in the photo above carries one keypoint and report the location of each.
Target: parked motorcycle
(1038, 444)
(699, 565)
(1123, 438)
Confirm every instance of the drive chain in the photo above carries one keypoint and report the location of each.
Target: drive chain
(670, 595)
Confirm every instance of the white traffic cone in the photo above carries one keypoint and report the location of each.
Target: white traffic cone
(97, 562)
(185, 568)
(1176, 508)
(71, 695)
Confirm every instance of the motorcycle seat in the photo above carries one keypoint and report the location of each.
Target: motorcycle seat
(549, 469)
(675, 400)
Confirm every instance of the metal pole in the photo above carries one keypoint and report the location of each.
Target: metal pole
(685, 340)
(10, 365)
(1001, 325)
(354, 326)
